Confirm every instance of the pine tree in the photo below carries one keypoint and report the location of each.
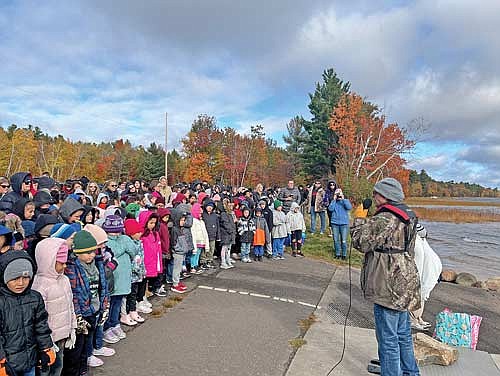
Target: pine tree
(294, 141)
(318, 156)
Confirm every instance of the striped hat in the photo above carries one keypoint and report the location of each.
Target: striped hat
(84, 242)
(63, 230)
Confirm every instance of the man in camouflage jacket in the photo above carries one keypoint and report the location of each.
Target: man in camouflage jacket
(389, 277)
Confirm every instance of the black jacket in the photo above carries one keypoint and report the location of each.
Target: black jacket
(24, 331)
(16, 182)
(212, 225)
(227, 229)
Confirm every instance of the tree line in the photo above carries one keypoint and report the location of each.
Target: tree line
(347, 138)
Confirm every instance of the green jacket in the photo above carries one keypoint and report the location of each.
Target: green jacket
(125, 251)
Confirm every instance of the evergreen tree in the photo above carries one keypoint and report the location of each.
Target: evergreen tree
(294, 141)
(154, 162)
(318, 156)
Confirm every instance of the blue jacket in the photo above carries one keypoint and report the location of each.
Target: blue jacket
(124, 250)
(340, 211)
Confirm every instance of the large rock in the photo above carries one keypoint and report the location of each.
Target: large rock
(448, 275)
(430, 351)
(466, 279)
(493, 284)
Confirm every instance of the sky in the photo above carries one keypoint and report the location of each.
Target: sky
(101, 70)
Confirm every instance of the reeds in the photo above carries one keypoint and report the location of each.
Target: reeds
(448, 202)
(456, 215)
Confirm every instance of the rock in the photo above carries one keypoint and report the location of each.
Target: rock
(493, 284)
(430, 351)
(448, 275)
(466, 279)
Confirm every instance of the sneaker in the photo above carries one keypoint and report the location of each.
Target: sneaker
(210, 265)
(146, 302)
(249, 260)
(143, 308)
(136, 317)
(199, 271)
(275, 258)
(118, 331)
(300, 254)
(182, 286)
(230, 266)
(177, 289)
(104, 351)
(224, 266)
(294, 254)
(161, 291)
(282, 257)
(205, 267)
(127, 320)
(168, 281)
(186, 274)
(110, 336)
(93, 361)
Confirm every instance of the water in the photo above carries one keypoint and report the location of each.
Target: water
(467, 247)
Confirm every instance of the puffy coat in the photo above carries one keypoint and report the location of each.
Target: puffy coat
(295, 220)
(340, 211)
(55, 289)
(212, 224)
(199, 233)
(16, 181)
(81, 288)
(151, 243)
(261, 229)
(125, 251)
(227, 230)
(246, 229)
(24, 330)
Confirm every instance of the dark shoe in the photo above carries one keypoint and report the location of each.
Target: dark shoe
(300, 254)
(294, 254)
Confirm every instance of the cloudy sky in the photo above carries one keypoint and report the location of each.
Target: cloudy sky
(101, 70)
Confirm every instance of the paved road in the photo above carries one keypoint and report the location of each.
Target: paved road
(214, 332)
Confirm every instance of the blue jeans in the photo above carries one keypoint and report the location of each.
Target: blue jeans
(313, 220)
(245, 250)
(340, 239)
(115, 305)
(395, 345)
(278, 246)
(31, 372)
(258, 250)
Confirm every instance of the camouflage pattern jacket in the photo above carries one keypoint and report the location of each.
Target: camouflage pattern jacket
(389, 276)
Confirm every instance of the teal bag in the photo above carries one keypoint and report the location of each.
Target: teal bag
(454, 328)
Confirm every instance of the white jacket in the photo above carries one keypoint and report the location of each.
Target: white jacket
(199, 233)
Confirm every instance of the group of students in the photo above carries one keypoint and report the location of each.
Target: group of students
(74, 268)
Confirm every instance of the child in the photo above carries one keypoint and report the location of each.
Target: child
(164, 215)
(124, 252)
(279, 231)
(134, 231)
(179, 244)
(6, 238)
(267, 213)
(296, 226)
(246, 229)
(53, 285)
(24, 331)
(261, 236)
(227, 233)
(88, 284)
(211, 220)
(200, 238)
(153, 260)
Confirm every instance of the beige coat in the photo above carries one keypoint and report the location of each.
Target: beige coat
(318, 207)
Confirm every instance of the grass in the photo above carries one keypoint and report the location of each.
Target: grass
(172, 301)
(447, 202)
(320, 247)
(297, 343)
(306, 323)
(456, 215)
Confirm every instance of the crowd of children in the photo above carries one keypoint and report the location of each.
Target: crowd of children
(78, 260)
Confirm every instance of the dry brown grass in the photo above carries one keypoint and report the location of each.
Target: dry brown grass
(447, 202)
(306, 323)
(157, 313)
(456, 215)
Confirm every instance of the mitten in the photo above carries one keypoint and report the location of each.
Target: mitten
(82, 325)
(46, 358)
(70, 342)
(104, 317)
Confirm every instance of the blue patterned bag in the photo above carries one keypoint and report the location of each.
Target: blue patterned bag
(454, 328)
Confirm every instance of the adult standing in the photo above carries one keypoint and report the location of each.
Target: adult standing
(258, 192)
(21, 186)
(389, 277)
(331, 186)
(4, 186)
(339, 222)
(289, 194)
(111, 190)
(315, 205)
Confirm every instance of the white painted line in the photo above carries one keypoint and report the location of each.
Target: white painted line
(290, 301)
(232, 291)
(276, 298)
(205, 287)
(219, 289)
(307, 304)
(243, 292)
(259, 295)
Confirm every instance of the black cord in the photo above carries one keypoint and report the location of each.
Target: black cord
(346, 316)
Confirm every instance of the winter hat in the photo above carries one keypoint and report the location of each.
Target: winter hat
(98, 233)
(258, 209)
(421, 231)
(201, 197)
(44, 224)
(133, 209)
(391, 189)
(196, 211)
(29, 228)
(277, 204)
(210, 203)
(19, 267)
(216, 197)
(62, 253)
(84, 242)
(113, 224)
(7, 232)
(132, 227)
(63, 230)
(178, 198)
(46, 182)
(160, 200)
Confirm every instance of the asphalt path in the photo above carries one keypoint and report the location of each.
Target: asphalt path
(232, 322)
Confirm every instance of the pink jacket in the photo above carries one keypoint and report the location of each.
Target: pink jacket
(54, 288)
(151, 243)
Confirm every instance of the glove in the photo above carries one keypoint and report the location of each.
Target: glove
(46, 358)
(70, 342)
(6, 369)
(104, 317)
(82, 325)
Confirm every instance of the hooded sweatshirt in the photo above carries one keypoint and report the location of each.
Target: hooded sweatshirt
(54, 288)
(69, 207)
(295, 220)
(164, 233)
(124, 251)
(198, 230)
(16, 182)
(151, 244)
(179, 241)
(21, 339)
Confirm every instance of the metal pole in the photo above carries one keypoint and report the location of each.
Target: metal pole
(166, 139)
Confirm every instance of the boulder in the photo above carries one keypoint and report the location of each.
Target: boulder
(448, 275)
(430, 351)
(466, 279)
(493, 284)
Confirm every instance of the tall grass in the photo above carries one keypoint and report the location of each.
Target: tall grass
(456, 215)
(448, 202)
